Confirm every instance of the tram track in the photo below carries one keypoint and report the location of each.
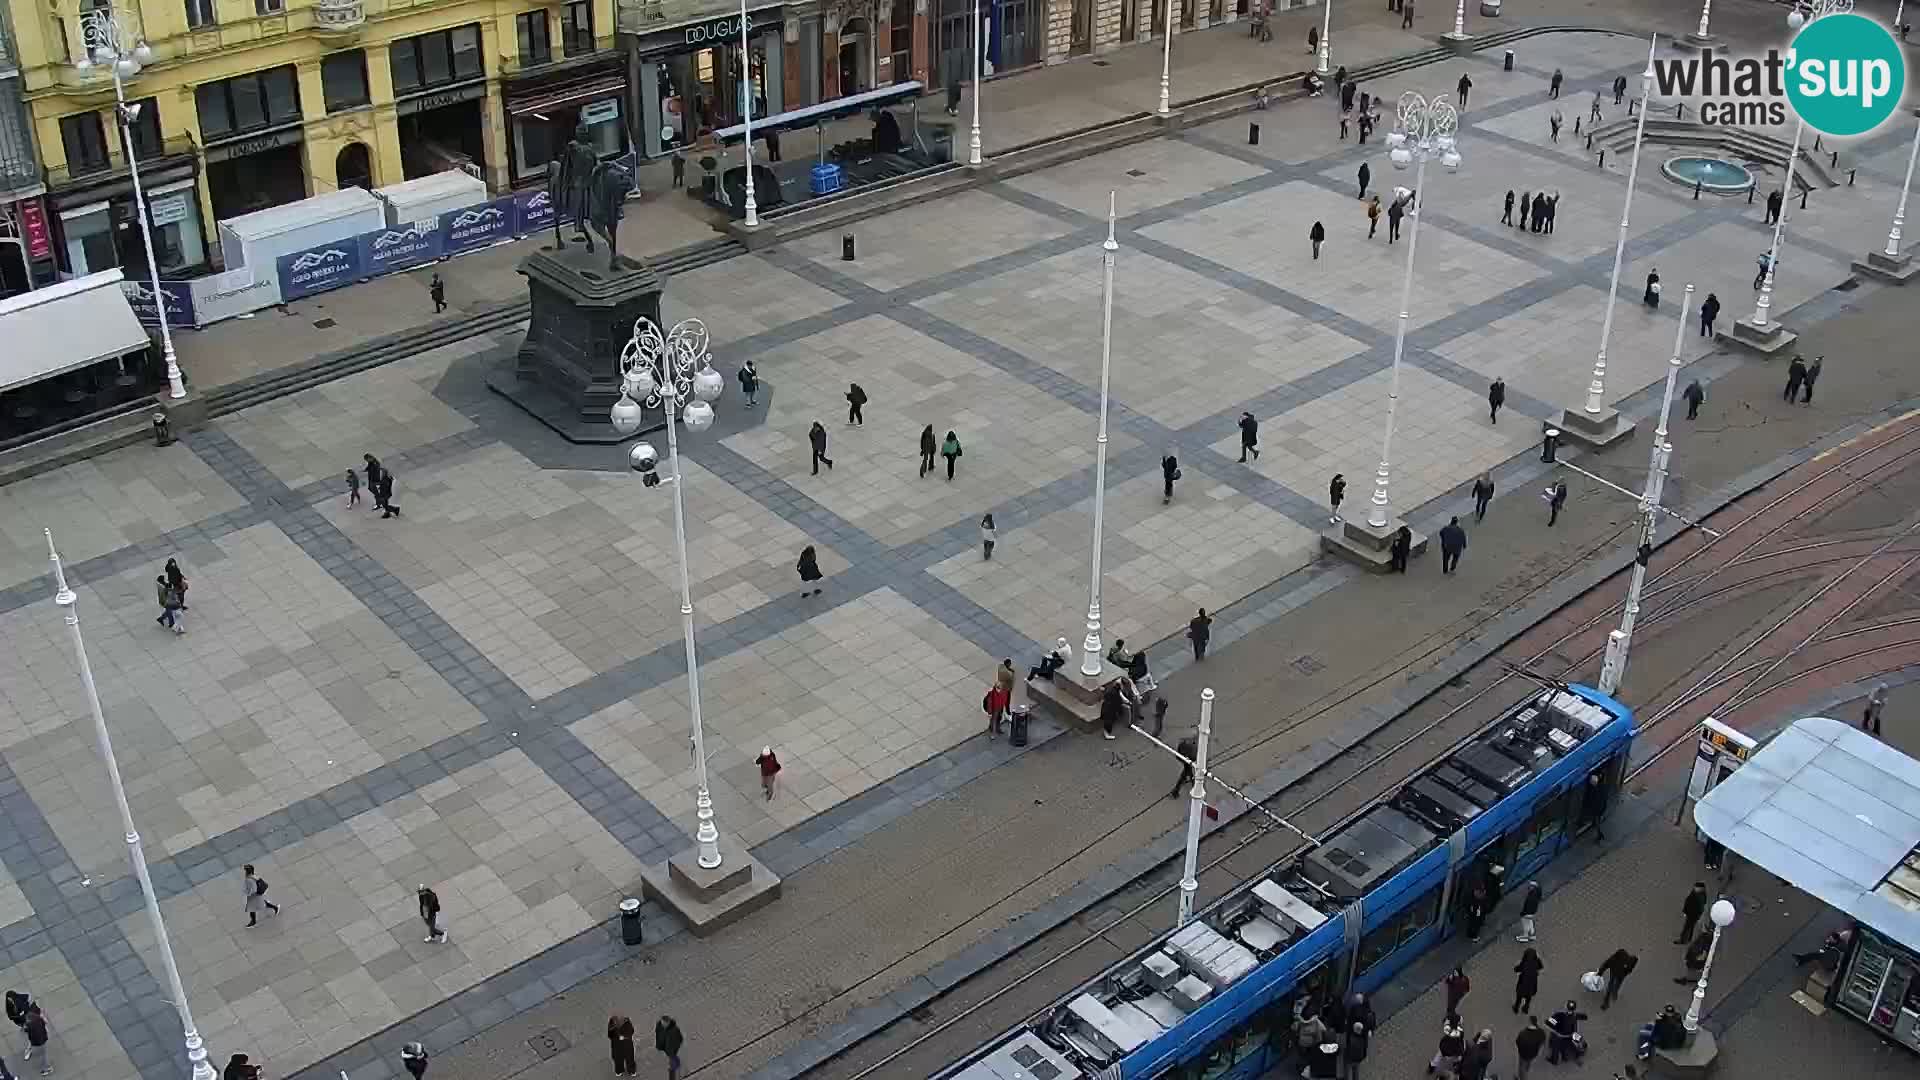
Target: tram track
(1068, 954)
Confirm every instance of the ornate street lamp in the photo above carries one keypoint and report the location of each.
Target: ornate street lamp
(1090, 658)
(674, 372)
(1722, 915)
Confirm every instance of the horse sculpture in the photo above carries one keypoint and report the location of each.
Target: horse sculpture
(590, 192)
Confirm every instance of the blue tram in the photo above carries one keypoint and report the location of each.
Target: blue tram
(1218, 998)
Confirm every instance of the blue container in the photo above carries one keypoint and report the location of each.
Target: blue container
(826, 179)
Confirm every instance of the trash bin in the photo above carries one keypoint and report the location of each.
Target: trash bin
(630, 921)
(1017, 725)
(846, 247)
(162, 430)
(1508, 65)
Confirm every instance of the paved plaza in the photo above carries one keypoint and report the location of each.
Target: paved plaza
(488, 693)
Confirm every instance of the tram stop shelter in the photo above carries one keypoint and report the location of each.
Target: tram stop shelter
(1836, 813)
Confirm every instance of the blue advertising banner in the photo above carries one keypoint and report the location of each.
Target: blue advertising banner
(476, 226)
(533, 211)
(317, 269)
(175, 296)
(388, 250)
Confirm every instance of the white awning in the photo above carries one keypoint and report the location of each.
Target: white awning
(66, 326)
(1835, 812)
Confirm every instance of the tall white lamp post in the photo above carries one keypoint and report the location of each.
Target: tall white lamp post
(68, 601)
(108, 40)
(1722, 915)
(979, 64)
(674, 372)
(1900, 211)
(1326, 38)
(1166, 61)
(1459, 22)
(1596, 390)
(753, 208)
(1614, 667)
(1197, 804)
(1700, 38)
(1805, 12)
(1090, 661)
(1426, 130)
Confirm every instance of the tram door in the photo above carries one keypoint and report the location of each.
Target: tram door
(1582, 820)
(1482, 878)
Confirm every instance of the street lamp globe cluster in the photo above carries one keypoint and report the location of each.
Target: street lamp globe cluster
(1425, 131)
(673, 371)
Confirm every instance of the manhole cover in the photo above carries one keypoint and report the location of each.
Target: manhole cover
(1308, 665)
(323, 324)
(1136, 172)
(548, 1043)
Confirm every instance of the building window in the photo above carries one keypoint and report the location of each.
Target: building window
(200, 14)
(900, 23)
(343, 79)
(576, 28)
(269, 7)
(85, 140)
(421, 63)
(247, 102)
(145, 129)
(534, 46)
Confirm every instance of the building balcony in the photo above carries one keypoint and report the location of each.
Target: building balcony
(339, 18)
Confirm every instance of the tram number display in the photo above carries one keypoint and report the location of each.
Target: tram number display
(1717, 742)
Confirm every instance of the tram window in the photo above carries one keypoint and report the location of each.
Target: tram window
(1548, 820)
(1421, 915)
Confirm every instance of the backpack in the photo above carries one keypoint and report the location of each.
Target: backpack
(17, 1007)
(259, 886)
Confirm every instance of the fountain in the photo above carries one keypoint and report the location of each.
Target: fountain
(1718, 175)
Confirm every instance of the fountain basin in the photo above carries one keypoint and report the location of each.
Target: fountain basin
(1718, 175)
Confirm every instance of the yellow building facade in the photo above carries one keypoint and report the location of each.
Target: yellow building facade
(247, 104)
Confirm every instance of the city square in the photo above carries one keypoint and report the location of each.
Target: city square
(488, 693)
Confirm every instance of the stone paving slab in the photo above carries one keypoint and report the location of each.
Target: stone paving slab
(755, 297)
(1145, 176)
(901, 248)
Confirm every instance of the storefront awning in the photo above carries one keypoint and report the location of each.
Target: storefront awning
(851, 105)
(66, 326)
(569, 94)
(1835, 812)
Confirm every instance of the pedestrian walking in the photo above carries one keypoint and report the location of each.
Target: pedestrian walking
(1478, 1057)
(1556, 498)
(1186, 748)
(373, 470)
(1478, 904)
(1482, 495)
(1526, 210)
(1774, 200)
(1406, 14)
(1562, 1027)
(949, 449)
(353, 489)
(1526, 1046)
(241, 1067)
(987, 536)
(1765, 262)
(1870, 719)
(1465, 86)
(667, 1040)
(749, 382)
(1373, 216)
(1366, 174)
(1806, 398)
(1506, 210)
(1249, 437)
(1453, 541)
(1694, 906)
(1347, 92)
(1343, 127)
(1317, 236)
(953, 92)
(1355, 1050)
(430, 914)
(35, 1027)
(620, 1045)
(1336, 493)
(169, 602)
(1395, 211)
(1453, 1044)
(1553, 85)
(929, 446)
(769, 781)
(1553, 126)
(1496, 397)
(817, 439)
(438, 290)
(1540, 211)
(1200, 632)
(257, 896)
(1399, 550)
(387, 509)
(1457, 985)
(1365, 123)
(413, 1058)
(1002, 694)
(1709, 311)
(1313, 40)
(1594, 113)
(856, 399)
(16, 1005)
(1619, 89)
(809, 568)
(1553, 211)
(1694, 395)
(679, 167)
(1169, 472)
(1529, 915)
(1696, 955)
(1651, 297)
(1615, 969)
(1527, 983)
(1796, 374)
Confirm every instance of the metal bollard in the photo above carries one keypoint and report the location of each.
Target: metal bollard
(846, 247)
(1603, 157)
(1253, 134)
(1750, 196)
(162, 430)
(1680, 110)
(1550, 445)
(1589, 140)
(1816, 144)
(1696, 191)
(1508, 64)
(630, 932)
(1803, 197)
(1850, 173)
(1834, 163)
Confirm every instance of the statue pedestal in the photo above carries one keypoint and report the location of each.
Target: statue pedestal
(567, 372)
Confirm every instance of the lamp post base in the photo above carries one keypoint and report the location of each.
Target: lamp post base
(1365, 545)
(1692, 1061)
(1072, 697)
(1458, 42)
(710, 899)
(1765, 340)
(1696, 41)
(1892, 269)
(1595, 431)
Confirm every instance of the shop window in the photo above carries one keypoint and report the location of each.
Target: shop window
(531, 29)
(200, 14)
(435, 59)
(343, 80)
(85, 140)
(145, 129)
(247, 102)
(576, 27)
